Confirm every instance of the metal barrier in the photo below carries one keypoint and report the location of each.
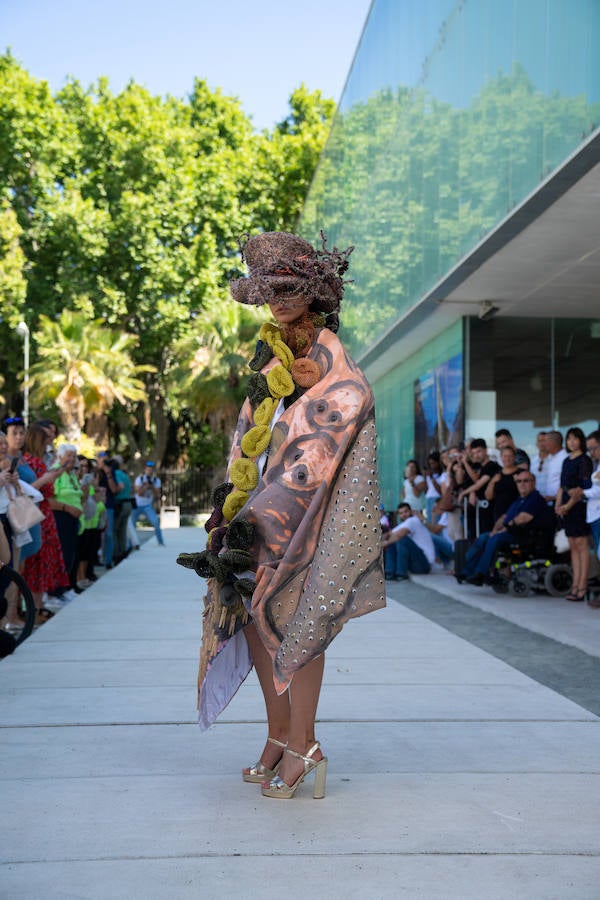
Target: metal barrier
(189, 489)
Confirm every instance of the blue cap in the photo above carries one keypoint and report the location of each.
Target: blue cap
(149, 463)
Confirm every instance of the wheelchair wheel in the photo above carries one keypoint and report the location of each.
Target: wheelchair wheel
(26, 602)
(500, 583)
(521, 584)
(558, 580)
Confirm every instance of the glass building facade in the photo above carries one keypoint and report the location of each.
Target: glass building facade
(453, 113)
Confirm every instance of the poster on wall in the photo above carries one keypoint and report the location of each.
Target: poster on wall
(439, 414)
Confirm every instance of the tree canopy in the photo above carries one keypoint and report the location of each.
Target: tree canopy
(125, 210)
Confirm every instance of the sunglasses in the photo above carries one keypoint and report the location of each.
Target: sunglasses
(14, 420)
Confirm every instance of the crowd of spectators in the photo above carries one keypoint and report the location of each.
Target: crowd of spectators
(488, 500)
(89, 506)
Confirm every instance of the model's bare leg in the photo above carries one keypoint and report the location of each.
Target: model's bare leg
(304, 698)
(278, 707)
(582, 549)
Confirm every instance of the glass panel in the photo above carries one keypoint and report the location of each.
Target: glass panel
(452, 114)
(511, 384)
(509, 379)
(577, 353)
(396, 396)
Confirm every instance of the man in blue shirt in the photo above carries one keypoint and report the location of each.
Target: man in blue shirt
(529, 512)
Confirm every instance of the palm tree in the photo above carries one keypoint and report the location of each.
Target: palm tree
(84, 367)
(213, 363)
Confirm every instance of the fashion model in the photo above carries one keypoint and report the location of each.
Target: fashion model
(294, 540)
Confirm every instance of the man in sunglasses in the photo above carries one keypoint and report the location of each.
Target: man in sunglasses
(527, 513)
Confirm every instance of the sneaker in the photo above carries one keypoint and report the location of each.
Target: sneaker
(53, 603)
(69, 596)
(476, 580)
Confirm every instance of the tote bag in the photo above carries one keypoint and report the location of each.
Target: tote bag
(22, 512)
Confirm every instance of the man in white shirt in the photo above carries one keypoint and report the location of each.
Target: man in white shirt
(413, 544)
(539, 463)
(147, 490)
(554, 461)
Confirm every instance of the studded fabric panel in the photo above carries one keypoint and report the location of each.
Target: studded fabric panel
(346, 577)
(317, 502)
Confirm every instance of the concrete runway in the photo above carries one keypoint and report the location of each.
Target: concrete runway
(455, 770)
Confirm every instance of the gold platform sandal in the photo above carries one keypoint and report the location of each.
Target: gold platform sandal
(276, 787)
(258, 772)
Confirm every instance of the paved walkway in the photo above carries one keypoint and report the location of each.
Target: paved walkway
(452, 774)
(575, 624)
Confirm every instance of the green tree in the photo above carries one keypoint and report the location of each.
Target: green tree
(13, 284)
(85, 368)
(212, 370)
(130, 207)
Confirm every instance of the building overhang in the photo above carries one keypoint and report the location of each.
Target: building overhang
(542, 260)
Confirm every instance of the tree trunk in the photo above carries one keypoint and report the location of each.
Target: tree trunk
(161, 421)
(96, 428)
(70, 412)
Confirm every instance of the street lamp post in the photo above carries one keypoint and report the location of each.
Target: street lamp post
(23, 330)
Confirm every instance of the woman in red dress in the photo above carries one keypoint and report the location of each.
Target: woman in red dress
(45, 570)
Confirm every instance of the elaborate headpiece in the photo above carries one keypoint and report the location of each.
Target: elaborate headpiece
(282, 263)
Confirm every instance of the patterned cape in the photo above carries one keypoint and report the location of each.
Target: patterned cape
(317, 534)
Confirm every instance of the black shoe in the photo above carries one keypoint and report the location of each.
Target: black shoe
(401, 578)
(77, 589)
(476, 580)
(459, 578)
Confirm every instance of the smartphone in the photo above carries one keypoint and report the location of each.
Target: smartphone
(14, 465)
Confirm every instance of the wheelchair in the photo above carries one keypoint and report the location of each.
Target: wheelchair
(530, 565)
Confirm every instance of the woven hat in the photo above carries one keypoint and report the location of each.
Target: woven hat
(282, 263)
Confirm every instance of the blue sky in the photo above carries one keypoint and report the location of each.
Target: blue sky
(258, 51)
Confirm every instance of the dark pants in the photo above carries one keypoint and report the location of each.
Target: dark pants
(122, 513)
(410, 558)
(86, 545)
(68, 528)
(95, 542)
(481, 555)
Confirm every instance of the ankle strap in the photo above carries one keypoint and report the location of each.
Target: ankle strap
(308, 756)
(271, 740)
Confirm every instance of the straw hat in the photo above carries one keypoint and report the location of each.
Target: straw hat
(281, 263)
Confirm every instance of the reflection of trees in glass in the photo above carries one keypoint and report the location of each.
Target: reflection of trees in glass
(415, 183)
